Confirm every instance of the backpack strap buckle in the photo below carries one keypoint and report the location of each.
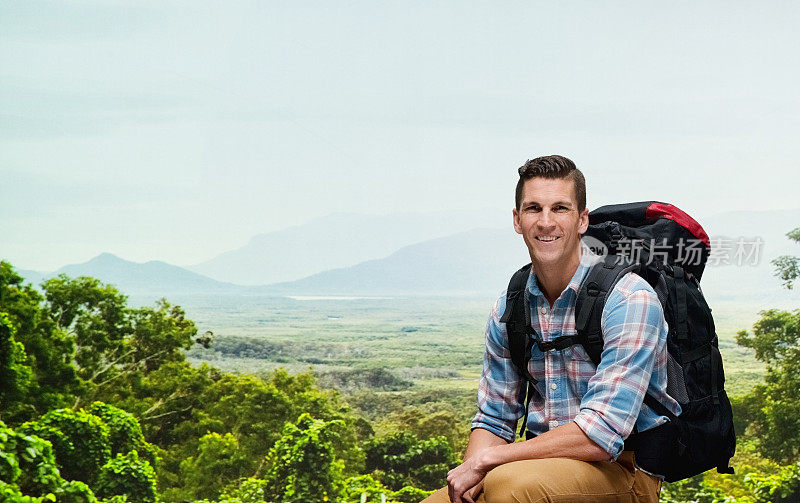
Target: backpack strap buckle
(556, 344)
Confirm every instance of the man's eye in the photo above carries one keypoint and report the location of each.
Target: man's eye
(561, 208)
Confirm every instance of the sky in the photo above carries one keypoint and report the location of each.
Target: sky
(178, 130)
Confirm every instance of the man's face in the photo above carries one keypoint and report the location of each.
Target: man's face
(549, 221)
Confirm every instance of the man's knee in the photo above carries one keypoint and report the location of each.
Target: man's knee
(505, 484)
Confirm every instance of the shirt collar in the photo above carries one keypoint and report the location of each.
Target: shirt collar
(588, 259)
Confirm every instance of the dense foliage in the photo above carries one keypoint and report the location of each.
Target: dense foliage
(774, 407)
(100, 405)
(401, 460)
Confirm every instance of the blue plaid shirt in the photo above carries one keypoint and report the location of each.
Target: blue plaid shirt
(606, 401)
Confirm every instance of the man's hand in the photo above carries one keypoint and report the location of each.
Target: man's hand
(464, 482)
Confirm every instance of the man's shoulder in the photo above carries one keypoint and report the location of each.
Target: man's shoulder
(631, 283)
(632, 290)
(499, 306)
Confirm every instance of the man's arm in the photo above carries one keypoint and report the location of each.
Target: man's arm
(565, 441)
(481, 439)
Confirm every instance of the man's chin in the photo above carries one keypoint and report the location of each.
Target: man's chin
(544, 259)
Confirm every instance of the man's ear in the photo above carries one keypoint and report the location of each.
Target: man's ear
(516, 221)
(583, 222)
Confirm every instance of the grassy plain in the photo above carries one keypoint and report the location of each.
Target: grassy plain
(404, 346)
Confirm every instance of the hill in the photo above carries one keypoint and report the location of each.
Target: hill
(336, 241)
(149, 278)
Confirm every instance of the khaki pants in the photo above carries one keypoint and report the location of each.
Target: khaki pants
(560, 480)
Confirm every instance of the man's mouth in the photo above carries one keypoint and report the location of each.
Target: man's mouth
(547, 239)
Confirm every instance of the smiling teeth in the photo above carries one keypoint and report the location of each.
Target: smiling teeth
(547, 238)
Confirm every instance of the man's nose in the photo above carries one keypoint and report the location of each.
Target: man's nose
(545, 218)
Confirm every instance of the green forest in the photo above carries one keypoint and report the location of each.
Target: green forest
(99, 403)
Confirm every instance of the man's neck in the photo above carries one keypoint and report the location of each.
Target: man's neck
(554, 280)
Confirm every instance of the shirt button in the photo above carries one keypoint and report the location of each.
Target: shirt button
(543, 310)
(554, 386)
(553, 424)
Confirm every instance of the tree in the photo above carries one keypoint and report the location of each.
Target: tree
(127, 475)
(83, 343)
(115, 346)
(15, 375)
(776, 341)
(80, 442)
(218, 462)
(124, 432)
(94, 315)
(355, 486)
(48, 350)
(249, 490)
(326, 405)
(401, 459)
(29, 473)
(787, 267)
(83, 443)
(302, 465)
(429, 421)
(780, 487)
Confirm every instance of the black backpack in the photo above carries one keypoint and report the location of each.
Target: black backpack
(667, 248)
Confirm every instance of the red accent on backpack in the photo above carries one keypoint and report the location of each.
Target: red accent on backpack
(676, 214)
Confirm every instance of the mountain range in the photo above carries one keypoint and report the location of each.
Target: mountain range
(474, 261)
(337, 240)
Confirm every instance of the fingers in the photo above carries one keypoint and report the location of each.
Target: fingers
(463, 484)
(472, 494)
(456, 493)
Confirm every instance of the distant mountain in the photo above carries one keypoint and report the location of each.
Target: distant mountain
(476, 261)
(482, 260)
(337, 240)
(33, 277)
(154, 277)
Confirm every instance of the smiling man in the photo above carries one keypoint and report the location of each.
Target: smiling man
(578, 415)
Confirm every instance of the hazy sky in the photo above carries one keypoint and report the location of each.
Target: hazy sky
(177, 130)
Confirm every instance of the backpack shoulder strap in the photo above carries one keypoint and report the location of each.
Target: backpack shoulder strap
(517, 318)
(592, 296)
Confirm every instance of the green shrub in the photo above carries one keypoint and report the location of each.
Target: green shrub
(127, 475)
(28, 472)
(401, 460)
(354, 487)
(80, 442)
(303, 468)
(124, 432)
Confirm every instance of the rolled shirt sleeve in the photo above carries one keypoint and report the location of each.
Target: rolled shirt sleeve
(634, 332)
(500, 392)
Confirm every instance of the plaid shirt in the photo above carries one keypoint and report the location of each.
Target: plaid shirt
(606, 401)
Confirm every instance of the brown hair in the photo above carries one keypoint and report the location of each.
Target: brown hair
(552, 166)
